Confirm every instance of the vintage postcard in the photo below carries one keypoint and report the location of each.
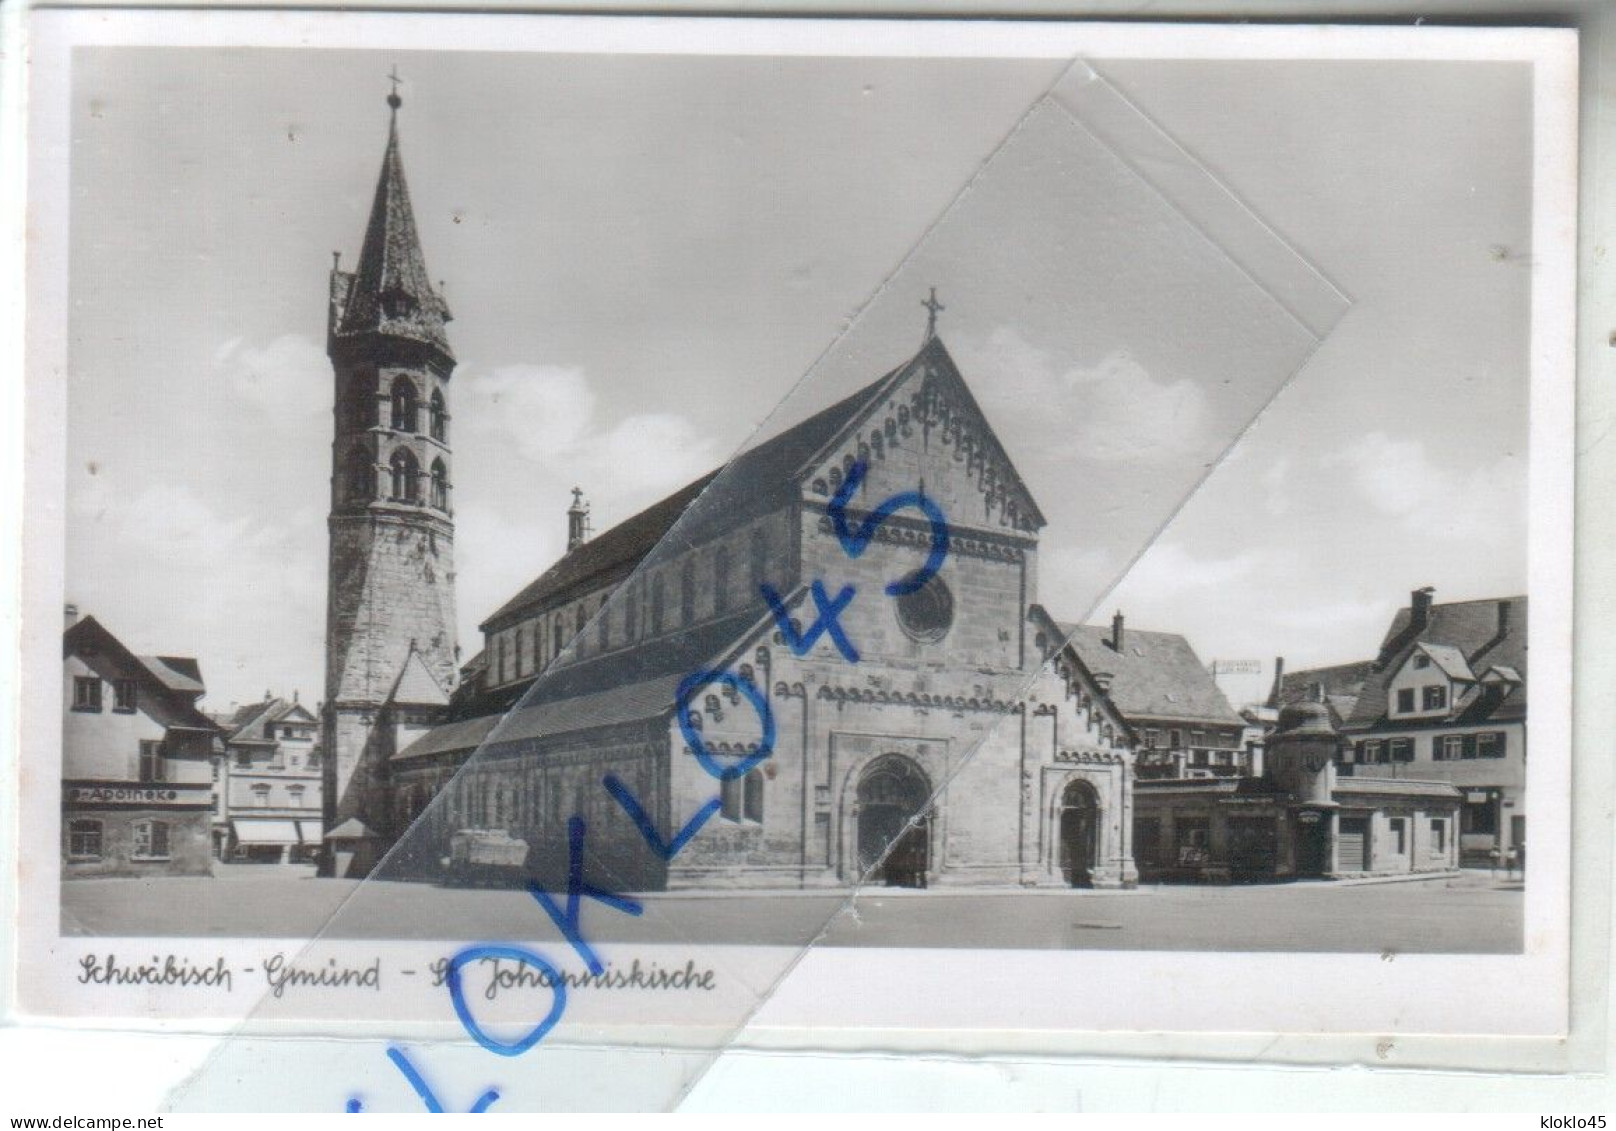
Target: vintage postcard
(551, 533)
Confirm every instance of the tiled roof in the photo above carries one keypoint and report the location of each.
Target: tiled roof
(1360, 786)
(390, 292)
(757, 481)
(1450, 660)
(88, 636)
(1341, 684)
(1155, 675)
(1470, 628)
(627, 686)
(415, 685)
(177, 673)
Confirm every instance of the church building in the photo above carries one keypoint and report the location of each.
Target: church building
(923, 722)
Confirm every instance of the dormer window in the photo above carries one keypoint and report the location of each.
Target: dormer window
(1422, 661)
(398, 304)
(1436, 697)
(1405, 700)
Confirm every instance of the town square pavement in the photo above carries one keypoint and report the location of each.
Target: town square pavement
(1475, 912)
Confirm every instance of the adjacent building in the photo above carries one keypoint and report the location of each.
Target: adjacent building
(137, 788)
(1181, 723)
(1298, 820)
(1445, 700)
(268, 785)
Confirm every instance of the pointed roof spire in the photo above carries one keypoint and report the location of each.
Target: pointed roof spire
(392, 292)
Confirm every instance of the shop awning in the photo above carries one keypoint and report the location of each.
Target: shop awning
(312, 832)
(264, 831)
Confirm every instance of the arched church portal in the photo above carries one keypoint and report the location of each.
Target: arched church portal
(894, 830)
(1079, 833)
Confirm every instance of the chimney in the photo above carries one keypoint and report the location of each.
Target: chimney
(577, 520)
(1279, 681)
(1503, 619)
(1419, 606)
(1116, 631)
(71, 615)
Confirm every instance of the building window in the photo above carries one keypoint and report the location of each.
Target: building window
(1399, 830)
(730, 797)
(1439, 836)
(580, 618)
(1405, 700)
(440, 485)
(243, 759)
(151, 761)
(1490, 744)
(260, 796)
(406, 473)
(603, 632)
(1197, 738)
(1175, 738)
(86, 693)
(125, 695)
(360, 477)
(296, 794)
(1401, 749)
(1422, 661)
(759, 559)
(440, 418)
(1371, 752)
(752, 803)
(502, 645)
(1436, 697)
(721, 579)
(656, 606)
(151, 840)
(1480, 818)
(1152, 739)
(1454, 747)
(687, 593)
(406, 406)
(631, 615)
(84, 839)
(927, 614)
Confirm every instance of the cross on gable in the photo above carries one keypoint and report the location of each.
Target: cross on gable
(933, 308)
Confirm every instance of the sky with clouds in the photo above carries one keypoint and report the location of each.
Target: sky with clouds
(646, 255)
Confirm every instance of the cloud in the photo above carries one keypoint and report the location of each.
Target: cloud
(290, 377)
(549, 415)
(1113, 411)
(1169, 567)
(1399, 479)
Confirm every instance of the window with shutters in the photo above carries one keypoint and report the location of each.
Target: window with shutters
(151, 840)
(1436, 697)
(151, 761)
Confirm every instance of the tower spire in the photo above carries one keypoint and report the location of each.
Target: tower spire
(392, 291)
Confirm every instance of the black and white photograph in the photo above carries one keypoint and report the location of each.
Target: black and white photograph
(1075, 501)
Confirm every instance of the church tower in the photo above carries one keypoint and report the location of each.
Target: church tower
(390, 588)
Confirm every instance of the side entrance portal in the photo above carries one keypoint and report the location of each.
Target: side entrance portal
(1079, 833)
(894, 829)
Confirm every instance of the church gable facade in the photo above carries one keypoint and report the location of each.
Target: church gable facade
(930, 742)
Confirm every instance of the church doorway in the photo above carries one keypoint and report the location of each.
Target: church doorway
(1079, 833)
(894, 832)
